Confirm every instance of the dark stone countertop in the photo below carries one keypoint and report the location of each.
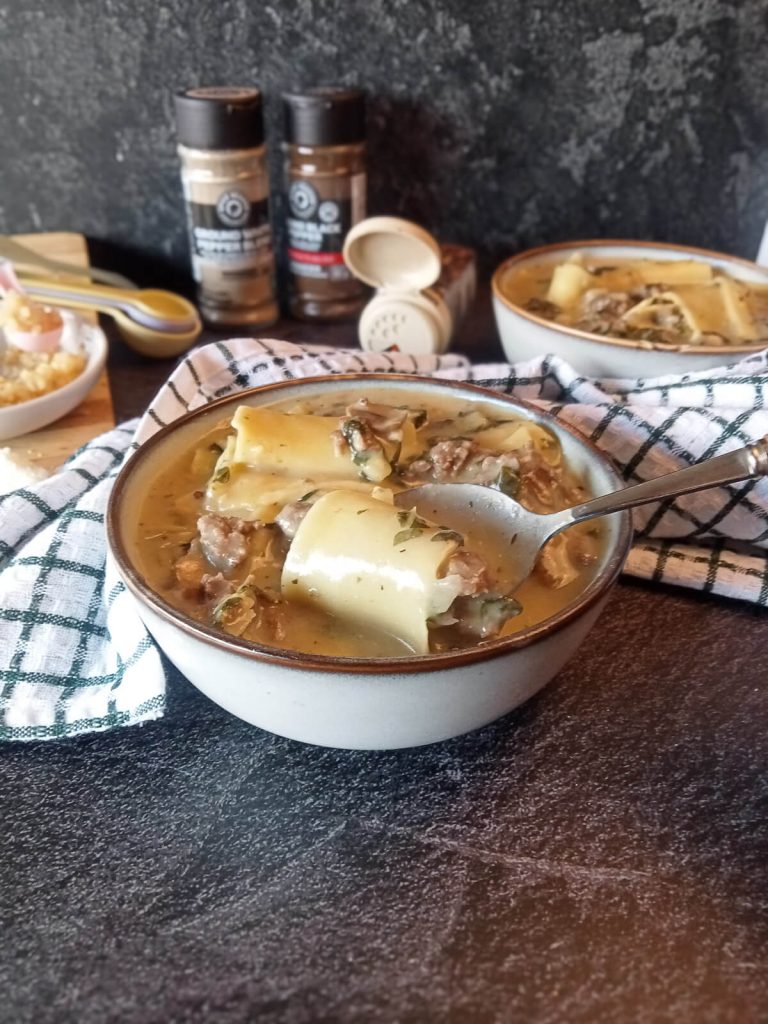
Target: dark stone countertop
(601, 854)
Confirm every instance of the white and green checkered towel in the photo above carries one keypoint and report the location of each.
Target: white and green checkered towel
(75, 657)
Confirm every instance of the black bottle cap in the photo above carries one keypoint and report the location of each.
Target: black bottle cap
(324, 117)
(219, 117)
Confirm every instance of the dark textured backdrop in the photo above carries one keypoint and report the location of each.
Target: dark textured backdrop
(499, 123)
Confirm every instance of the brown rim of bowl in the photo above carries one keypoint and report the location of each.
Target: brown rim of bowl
(591, 243)
(593, 592)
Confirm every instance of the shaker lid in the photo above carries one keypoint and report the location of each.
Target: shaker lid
(389, 252)
(325, 116)
(219, 117)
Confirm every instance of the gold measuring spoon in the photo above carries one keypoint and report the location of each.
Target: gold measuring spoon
(155, 323)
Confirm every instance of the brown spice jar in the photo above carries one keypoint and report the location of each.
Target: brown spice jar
(325, 196)
(226, 188)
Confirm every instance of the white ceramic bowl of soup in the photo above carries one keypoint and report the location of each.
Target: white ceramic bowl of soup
(526, 335)
(362, 703)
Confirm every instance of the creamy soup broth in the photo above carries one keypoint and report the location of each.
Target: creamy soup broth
(198, 560)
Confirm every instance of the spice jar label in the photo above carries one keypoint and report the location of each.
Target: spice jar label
(231, 247)
(231, 229)
(318, 224)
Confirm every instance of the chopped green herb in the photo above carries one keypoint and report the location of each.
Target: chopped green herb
(360, 511)
(513, 538)
(221, 476)
(350, 431)
(492, 612)
(232, 601)
(448, 535)
(503, 607)
(413, 525)
(403, 535)
(508, 482)
(369, 457)
(308, 495)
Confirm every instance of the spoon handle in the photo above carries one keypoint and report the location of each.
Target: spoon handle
(180, 319)
(724, 469)
(17, 253)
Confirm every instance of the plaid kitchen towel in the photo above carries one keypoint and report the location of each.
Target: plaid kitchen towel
(75, 657)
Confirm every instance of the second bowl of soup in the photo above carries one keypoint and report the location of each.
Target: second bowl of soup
(631, 309)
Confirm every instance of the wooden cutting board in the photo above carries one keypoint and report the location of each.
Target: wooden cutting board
(51, 445)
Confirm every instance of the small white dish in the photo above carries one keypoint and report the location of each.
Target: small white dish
(525, 335)
(39, 412)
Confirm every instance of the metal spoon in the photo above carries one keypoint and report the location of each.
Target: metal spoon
(524, 533)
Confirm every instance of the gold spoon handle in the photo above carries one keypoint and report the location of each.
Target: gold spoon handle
(155, 309)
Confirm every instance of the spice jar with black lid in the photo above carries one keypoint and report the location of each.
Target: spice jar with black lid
(325, 196)
(226, 188)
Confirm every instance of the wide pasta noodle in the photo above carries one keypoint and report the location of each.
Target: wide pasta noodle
(735, 296)
(510, 437)
(251, 495)
(275, 458)
(297, 445)
(345, 560)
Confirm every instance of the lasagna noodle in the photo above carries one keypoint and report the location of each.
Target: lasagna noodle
(735, 297)
(569, 281)
(511, 437)
(645, 313)
(302, 445)
(673, 272)
(344, 560)
(294, 444)
(255, 496)
(704, 306)
(718, 308)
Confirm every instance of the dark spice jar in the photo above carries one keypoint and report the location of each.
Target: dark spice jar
(325, 196)
(226, 188)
